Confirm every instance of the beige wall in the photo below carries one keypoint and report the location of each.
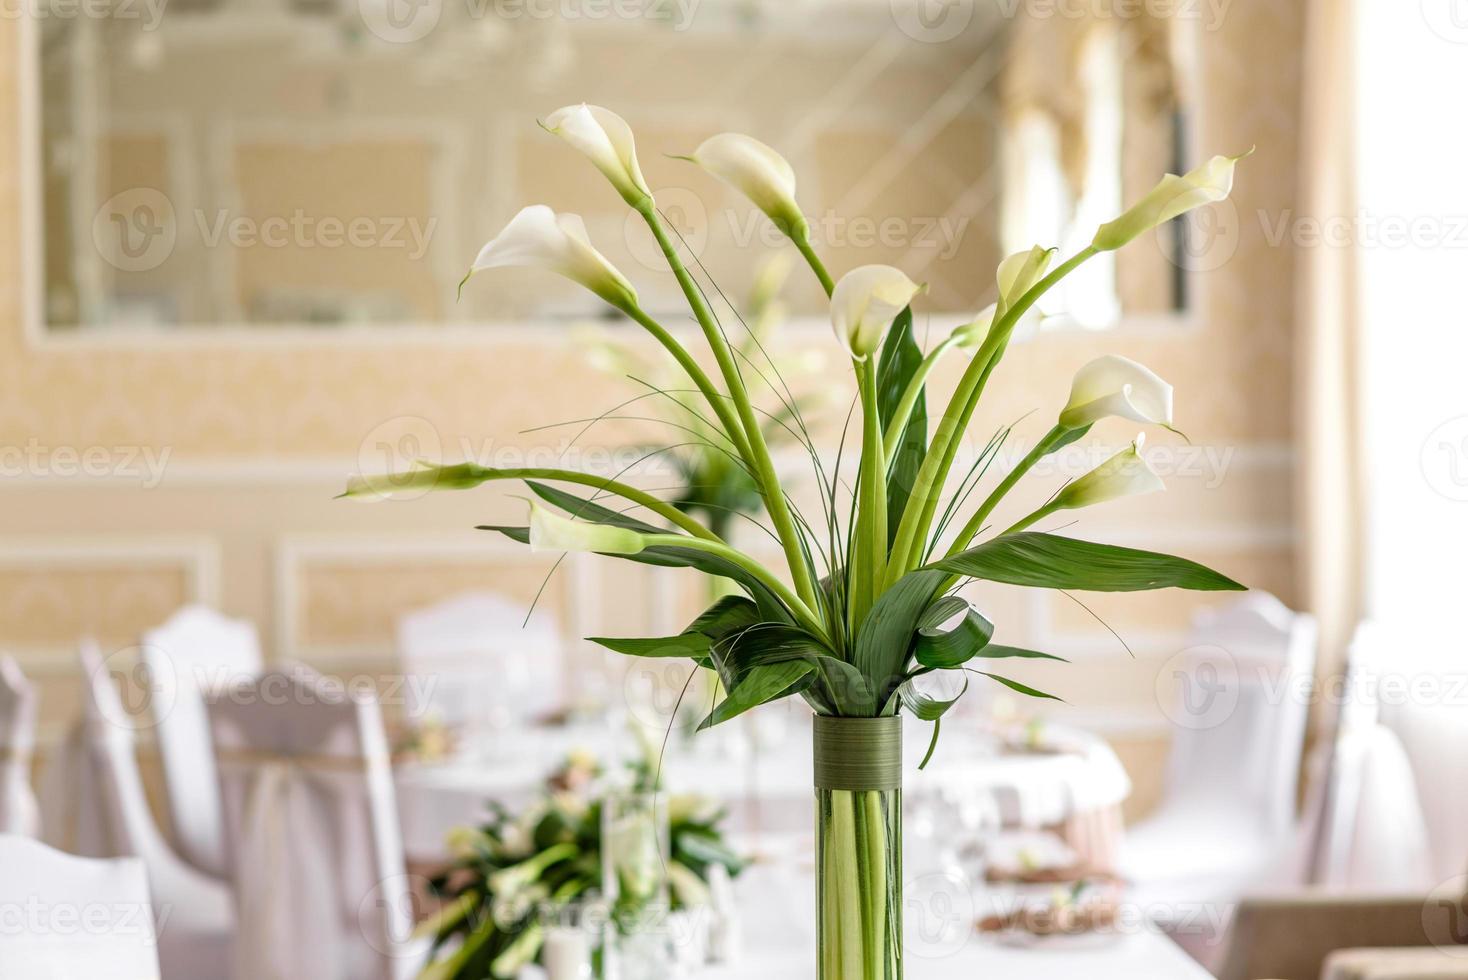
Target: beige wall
(260, 433)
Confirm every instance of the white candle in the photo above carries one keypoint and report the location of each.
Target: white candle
(567, 954)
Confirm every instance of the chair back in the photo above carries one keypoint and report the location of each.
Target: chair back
(18, 810)
(476, 659)
(1242, 709)
(196, 652)
(57, 897)
(311, 830)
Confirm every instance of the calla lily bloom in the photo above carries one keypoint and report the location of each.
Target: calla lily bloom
(1174, 195)
(1019, 272)
(550, 531)
(1124, 475)
(539, 238)
(865, 302)
(1113, 385)
(607, 140)
(757, 172)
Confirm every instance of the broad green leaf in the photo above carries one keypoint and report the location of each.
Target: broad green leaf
(692, 645)
(997, 651)
(942, 648)
(840, 683)
(1019, 688)
(886, 635)
(900, 358)
(1049, 561)
(585, 510)
(759, 685)
(673, 557)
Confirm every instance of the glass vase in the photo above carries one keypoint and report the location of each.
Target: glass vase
(635, 849)
(858, 777)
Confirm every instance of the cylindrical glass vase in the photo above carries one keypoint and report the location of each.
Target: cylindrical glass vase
(858, 777)
(635, 882)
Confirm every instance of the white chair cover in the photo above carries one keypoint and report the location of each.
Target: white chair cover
(194, 939)
(51, 901)
(19, 813)
(476, 660)
(311, 832)
(1228, 809)
(196, 652)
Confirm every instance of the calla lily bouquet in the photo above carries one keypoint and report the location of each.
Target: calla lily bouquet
(865, 603)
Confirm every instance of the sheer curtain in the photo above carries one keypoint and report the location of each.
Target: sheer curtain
(1330, 497)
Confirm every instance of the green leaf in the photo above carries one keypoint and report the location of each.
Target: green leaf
(770, 607)
(841, 684)
(728, 615)
(760, 685)
(1049, 561)
(928, 708)
(1019, 688)
(900, 359)
(940, 648)
(584, 510)
(997, 651)
(886, 635)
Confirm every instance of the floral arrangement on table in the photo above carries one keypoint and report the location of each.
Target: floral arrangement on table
(516, 873)
(865, 604)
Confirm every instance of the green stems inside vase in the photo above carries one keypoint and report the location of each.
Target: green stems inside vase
(859, 848)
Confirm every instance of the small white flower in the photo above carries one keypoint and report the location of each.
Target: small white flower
(1174, 195)
(1113, 385)
(1124, 475)
(550, 531)
(607, 141)
(865, 302)
(757, 172)
(539, 238)
(1019, 272)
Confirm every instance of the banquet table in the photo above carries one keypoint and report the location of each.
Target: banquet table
(770, 788)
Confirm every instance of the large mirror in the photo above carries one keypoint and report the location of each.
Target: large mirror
(321, 163)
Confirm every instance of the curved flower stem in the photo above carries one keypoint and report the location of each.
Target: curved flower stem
(801, 238)
(759, 453)
(734, 429)
(1038, 515)
(797, 606)
(928, 487)
(903, 412)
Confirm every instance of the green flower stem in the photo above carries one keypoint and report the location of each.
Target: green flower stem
(843, 863)
(903, 412)
(1041, 450)
(801, 238)
(871, 521)
(759, 453)
(733, 428)
(1038, 515)
(662, 508)
(859, 912)
(928, 486)
(797, 606)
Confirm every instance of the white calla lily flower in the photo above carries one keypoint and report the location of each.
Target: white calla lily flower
(550, 531)
(1113, 385)
(1124, 475)
(757, 172)
(1174, 195)
(539, 238)
(865, 302)
(607, 141)
(1019, 272)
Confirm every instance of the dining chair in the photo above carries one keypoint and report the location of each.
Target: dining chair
(194, 940)
(19, 813)
(1227, 816)
(311, 832)
(478, 660)
(196, 652)
(70, 916)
